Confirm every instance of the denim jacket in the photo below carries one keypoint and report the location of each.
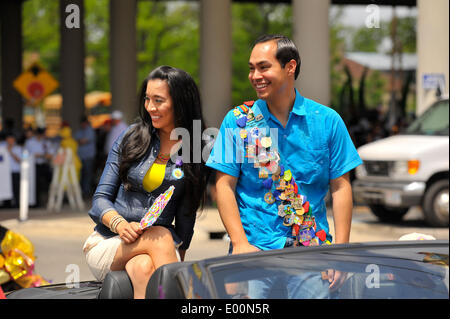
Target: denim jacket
(134, 203)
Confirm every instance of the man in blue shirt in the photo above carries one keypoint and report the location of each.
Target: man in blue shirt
(314, 151)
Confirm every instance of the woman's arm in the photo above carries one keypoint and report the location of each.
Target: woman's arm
(128, 232)
(184, 225)
(108, 186)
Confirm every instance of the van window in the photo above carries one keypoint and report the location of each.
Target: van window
(433, 121)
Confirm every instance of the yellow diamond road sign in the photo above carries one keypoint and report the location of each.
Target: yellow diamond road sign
(35, 83)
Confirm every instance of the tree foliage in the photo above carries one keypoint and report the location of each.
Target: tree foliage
(249, 21)
(40, 30)
(96, 21)
(363, 39)
(168, 33)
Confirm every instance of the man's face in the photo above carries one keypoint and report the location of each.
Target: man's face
(266, 75)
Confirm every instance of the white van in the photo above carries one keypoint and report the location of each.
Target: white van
(408, 169)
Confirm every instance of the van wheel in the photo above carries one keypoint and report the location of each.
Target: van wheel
(435, 204)
(388, 214)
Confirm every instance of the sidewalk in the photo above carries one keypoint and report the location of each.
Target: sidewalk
(72, 223)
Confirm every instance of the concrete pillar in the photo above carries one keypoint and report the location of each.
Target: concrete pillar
(432, 48)
(123, 61)
(215, 63)
(72, 52)
(311, 35)
(11, 60)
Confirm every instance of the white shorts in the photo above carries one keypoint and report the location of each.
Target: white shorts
(100, 252)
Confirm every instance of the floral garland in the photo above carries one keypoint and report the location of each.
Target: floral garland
(281, 187)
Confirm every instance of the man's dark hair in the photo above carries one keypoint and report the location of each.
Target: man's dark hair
(286, 50)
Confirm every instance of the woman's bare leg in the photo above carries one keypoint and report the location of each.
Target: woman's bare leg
(157, 243)
(139, 269)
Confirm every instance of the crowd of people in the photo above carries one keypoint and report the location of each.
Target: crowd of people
(89, 147)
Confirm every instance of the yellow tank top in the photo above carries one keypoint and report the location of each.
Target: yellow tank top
(154, 177)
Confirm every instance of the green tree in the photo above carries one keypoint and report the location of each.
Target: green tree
(338, 33)
(250, 21)
(367, 39)
(371, 90)
(96, 23)
(363, 39)
(168, 34)
(376, 85)
(407, 33)
(40, 34)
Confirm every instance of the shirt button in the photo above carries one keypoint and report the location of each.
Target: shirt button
(284, 136)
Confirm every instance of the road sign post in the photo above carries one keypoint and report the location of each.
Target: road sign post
(35, 83)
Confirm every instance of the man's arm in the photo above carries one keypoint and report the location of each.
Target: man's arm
(229, 213)
(341, 192)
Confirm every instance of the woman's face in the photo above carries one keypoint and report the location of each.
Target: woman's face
(159, 105)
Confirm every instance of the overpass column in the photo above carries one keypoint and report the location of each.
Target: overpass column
(11, 60)
(215, 61)
(72, 61)
(432, 48)
(311, 35)
(123, 63)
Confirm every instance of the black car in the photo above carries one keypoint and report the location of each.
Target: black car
(373, 270)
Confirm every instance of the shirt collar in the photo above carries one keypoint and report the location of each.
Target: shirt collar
(299, 104)
(298, 108)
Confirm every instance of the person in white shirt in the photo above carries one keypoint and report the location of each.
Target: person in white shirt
(118, 127)
(38, 147)
(15, 156)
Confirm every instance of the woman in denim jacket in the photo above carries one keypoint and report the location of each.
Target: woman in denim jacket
(142, 164)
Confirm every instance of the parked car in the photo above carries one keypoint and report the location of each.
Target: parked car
(380, 270)
(409, 169)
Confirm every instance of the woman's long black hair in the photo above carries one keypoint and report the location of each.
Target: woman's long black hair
(187, 108)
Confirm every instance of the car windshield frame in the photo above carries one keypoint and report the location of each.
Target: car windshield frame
(437, 114)
(409, 273)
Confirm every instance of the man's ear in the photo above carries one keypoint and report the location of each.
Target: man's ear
(290, 67)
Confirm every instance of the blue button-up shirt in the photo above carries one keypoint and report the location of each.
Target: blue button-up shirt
(315, 146)
(134, 203)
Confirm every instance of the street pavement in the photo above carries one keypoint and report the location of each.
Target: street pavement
(58, 237)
